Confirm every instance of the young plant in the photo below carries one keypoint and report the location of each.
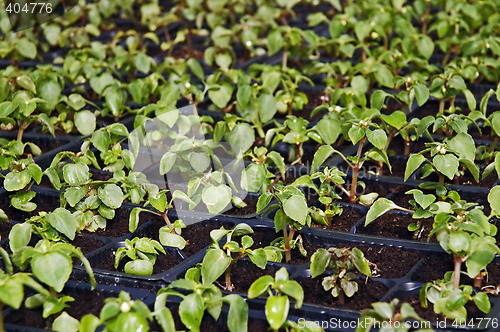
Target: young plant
(119, 314)
(12, 285)
(294, 131)
(141, 254)
(449, 300)
(343, 263)
(256, 176)
(292, 211)
(446, 158)
(398, 316)
(23, 174)
(218, 261)
(170, 234)
(278, 291)
(198, 298)
(329, 179)
(360, 132)
(51, 263)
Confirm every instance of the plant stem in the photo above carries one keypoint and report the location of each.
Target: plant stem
(478, 280)
(227, 273)
(284, 59)
(341, 297)
(456, 272)
(441, 179)
(355, 171)
(288, 253)
(20, 131)
(167, 221)
(441, 107)
(260, 131)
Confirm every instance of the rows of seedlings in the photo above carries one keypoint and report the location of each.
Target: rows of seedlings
(251, 165)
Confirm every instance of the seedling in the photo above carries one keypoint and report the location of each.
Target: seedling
(277, 290)
(446, 158)
(198, 297)
(119, 314)
(24, 173)
(218, 261)
(141, 254)
(343, 263)
(12, 285)
(449, 300)
(359, 133)
(398, 316)
(256, 177)
(292, 211)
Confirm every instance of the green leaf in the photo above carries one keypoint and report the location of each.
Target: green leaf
(329, 130)
(381, 206)
(76, 174)
(396, 119)
(214, 265)
(139, 267)
(101, 140)
(100, 83)
(295, 207)
(142, 62)
(111, 195)
(275, 41)
(413, 163)
(172, 240)
(292, 288)
(464, 145)
(85, 122)
(52, 268)
(377, 137)
(16, 180)
(322, 154)
(319, 262)
(258, 257)
(237, 318)
(21, 200)
(446, 164)
(421, 94)
(191, 311)
(276, 310)
(425, 46)
(356, 133)
(458, 241)
(50, 91)
(482, 301)
(73, 195)
(478, 260)
(264, 201)
(385, 310)
(223, 60)
(253, 177)
(65, 323)
(26, 48)
(267, 107)
(167, 162)
(199, 161)
(216, 198)
(221, 94)
(260, 286)
(494, 199)
(196, 68)
(241, 137)
(62, 220)
(12, 293)
(19, 236)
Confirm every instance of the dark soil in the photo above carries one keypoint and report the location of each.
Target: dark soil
(244, 211)
(369, 291)
(164, 262)
(87, 243)
(398, 165)
(196, 235)
(118, 226)
(264, 236)
(395, 225)
(44, 203)
(5, 228)
(389, 262)
(244, 273)
(342, 223)
(85, 303)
